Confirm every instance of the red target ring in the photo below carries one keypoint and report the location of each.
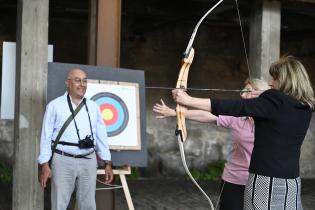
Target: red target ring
(109, 113)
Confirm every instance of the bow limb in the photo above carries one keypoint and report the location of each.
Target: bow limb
(181, 131)
(192, 38)
(182, 154)
(182, 83)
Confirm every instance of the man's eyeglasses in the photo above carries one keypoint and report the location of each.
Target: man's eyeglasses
(79, 81)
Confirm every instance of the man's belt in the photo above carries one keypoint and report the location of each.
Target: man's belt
(74, 156)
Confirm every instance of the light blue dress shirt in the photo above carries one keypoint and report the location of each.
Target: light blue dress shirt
(57, 112)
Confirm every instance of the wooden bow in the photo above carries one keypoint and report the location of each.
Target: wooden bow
(182, 83)
(181, 131)
(183, 77)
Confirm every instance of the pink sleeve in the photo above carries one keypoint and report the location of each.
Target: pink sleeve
(225, 121)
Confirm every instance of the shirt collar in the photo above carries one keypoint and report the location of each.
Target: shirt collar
(65, 95)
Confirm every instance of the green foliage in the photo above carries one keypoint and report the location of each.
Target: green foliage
(135, 174)
(6, 173)
(212, 172)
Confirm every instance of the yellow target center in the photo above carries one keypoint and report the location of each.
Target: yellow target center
(107, 114)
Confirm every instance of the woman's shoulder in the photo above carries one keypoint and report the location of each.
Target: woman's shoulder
(272, 92)
(274, 95)
(274, 98)
(229, 121)
(279, 98)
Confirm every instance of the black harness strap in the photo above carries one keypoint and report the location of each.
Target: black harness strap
(75, 123)
(67, 143)
(65, 125)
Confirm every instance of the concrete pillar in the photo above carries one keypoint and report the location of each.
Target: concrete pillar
(264, 41)
(31, 86)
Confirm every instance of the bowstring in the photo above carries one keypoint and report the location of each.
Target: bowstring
(243, 39)
(249, 75)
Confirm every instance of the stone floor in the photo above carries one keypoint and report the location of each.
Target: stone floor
(166, 194)
(183, 195)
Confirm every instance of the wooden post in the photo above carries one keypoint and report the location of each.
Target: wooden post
(104, 50)
(265, 26)
(104, 33)
(30, 100)
(92, 45)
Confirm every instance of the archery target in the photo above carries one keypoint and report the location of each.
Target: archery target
(114, 112)
(119, 109)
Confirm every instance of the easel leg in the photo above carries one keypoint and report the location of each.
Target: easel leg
(122, 175)
(126, 191)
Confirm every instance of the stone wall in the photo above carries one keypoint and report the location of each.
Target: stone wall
(6, 140)
(219, 63)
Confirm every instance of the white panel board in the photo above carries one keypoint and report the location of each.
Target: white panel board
(8, 78)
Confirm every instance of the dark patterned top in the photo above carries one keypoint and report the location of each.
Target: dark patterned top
(281, 123)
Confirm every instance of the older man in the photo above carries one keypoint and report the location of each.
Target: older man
(73, 158)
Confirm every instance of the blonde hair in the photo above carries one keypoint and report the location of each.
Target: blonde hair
(293, 79)
(257, 84)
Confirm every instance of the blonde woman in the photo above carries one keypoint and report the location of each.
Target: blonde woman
(235, 172)
(282, 116)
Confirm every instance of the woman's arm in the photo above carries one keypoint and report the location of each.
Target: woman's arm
(201, 116)
(195, 115)
(264, 106)
(184, 99)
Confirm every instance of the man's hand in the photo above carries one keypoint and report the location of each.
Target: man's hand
(45, 174)
(163, 110)
(109, 176)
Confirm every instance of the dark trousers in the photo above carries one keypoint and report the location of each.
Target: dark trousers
(232, 197)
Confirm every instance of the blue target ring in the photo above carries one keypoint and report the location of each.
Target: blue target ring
(114, 112)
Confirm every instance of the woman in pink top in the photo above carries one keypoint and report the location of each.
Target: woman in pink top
(235, 172)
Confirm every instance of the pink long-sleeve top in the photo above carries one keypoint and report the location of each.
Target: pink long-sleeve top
(242, 132)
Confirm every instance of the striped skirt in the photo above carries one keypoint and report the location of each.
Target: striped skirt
(268, 193)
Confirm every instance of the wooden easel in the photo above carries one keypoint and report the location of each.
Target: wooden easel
(122, 172)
